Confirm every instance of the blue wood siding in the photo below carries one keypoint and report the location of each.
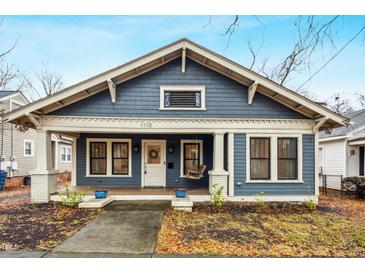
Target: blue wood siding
(140, 97)
(274, 188)
(172, 175)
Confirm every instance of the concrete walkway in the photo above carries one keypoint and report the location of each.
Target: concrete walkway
(125, 229)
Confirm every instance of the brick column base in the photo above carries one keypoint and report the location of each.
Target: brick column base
(42, 186)
(218, 178)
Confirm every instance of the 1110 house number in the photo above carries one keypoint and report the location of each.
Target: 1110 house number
(146, 124)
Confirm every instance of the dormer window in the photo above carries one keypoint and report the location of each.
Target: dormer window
(182, 98)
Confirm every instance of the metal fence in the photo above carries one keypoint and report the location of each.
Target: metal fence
(325, 181)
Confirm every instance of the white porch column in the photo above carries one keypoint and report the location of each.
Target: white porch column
(218, 176)
(44, 177)
(230, 156)
(74, 162)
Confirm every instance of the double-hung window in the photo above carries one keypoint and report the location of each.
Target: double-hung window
(274, 158)
(65, 154)
(28, 148)
(109, 157)
(182, 98)
(191, 155)
(287, 158)
(98, 158)
(260, 158)
(120, 158)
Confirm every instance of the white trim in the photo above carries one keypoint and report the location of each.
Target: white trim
(74, 162)
(93, 124)
(163, 88)
(329, 139)
(273, 158)
(109, 158)
(163, 158)
(31, 147)
(184, 141)
(204, 198)
(14, 95)
(230, 157)
(316, 164)
(66, 147)
(11, 101)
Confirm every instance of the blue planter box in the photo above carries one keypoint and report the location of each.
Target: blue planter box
(101, 194)
(180, 193)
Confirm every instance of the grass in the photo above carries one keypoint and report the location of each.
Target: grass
(280, 230)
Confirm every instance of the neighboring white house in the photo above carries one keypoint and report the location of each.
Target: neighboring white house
(17, 149)
(341, 152)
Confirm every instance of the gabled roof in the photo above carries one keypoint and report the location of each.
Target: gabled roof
(186, 49)
(4, 93)
(356, 125)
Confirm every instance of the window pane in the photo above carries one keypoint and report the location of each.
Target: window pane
(98, 150)
(191, 151)
(287, 158)
(120, 150)
(191, 164)
(68, 157)
(63, 156)
(120, 166)
(153, 154)
(98, 166)
(260, 158)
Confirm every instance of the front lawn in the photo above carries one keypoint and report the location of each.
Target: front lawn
(335, 229)
(27, 226)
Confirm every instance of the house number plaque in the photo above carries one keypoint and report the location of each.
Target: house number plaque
(146, 124)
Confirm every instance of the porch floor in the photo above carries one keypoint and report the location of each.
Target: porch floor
(89, 190)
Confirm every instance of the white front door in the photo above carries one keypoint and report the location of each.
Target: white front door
(154, 158)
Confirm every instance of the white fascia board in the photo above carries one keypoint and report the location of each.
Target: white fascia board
(329, 139)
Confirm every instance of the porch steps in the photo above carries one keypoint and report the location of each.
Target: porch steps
(96, 203)
(184, 204)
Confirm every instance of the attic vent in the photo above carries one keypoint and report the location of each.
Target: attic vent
(182, 98)
(185, 99)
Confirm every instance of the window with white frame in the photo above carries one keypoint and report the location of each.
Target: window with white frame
(65, 153)
(182, 97)
(28, 148)
(109, 157)
(274, 158)
(191, 155)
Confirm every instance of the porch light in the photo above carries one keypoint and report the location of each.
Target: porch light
(171, 149)
(136, 148)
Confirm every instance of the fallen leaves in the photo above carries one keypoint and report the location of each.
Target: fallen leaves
(280, 230)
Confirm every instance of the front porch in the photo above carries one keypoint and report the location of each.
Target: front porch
(137, 166)
(128, 193)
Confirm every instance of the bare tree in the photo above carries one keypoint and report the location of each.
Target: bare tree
(48, 81)
(339, 104)
(8, 73)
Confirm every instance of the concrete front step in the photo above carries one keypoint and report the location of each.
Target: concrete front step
(184, 204)
(96, 203)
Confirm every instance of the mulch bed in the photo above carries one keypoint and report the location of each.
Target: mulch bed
(36, 227)
(335, 229)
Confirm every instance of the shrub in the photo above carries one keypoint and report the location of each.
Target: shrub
(261, 201)
(354, 185)
(71, 199)
(217, 196)
(310, 204)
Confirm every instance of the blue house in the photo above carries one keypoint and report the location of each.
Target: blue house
(181, 116)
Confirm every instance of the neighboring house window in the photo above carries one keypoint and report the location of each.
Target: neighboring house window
(182, 98)
(65, 154)
(191, 155)
(287, 158)
(108, 157)
(98, 156)
(274, 158)
(120, 158)
(28, 148)
(260, 158)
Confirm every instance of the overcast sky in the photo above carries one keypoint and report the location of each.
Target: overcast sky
(81, 46)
